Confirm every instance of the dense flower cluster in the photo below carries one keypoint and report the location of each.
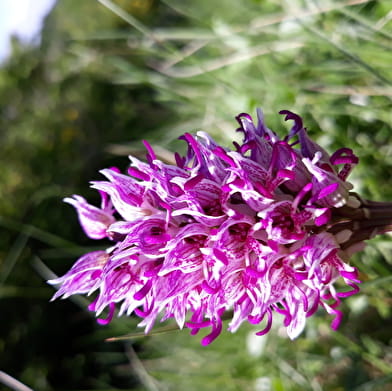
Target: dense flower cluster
(254, 230)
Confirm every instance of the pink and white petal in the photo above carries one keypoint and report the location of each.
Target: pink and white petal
(93, 220)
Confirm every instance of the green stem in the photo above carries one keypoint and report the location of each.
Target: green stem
(370, 219)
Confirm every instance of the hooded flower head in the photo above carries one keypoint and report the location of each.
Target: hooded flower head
(254, 230)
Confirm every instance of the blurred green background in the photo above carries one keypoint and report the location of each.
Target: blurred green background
(110, 73)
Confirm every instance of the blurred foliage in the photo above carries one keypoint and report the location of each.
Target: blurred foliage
(109, 73)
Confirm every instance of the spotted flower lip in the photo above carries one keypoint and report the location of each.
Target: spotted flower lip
(262, 229)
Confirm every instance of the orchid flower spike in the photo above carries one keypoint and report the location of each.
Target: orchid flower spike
(267, 227)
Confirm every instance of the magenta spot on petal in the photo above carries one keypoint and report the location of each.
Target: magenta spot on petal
(165, 205)
(253, 272)
(91, 306)
(286, 314)
(335, 304)
(96, 274)
(142, 313)
(242, 299)
(307, 187)
(353, 276)
(243, 115)
(273, 245)
(194, 145)
(343, 160)
(149, 149)
(209, 289)
(198, 325)
(263, 190)
(213, 231)
(327, 190)
(191, 183)
(301, 195)
(314, 306)
(268, 326)
(180, 161)
(344, 156)
(216, 330)
(300, 276)
(226, 188)
(287, 319)
(327, 167)
(336, 322)
(283, 173)
(207, 340)
(255, 319)
(156, 239)
(221, 153)
(138, 174)
(327, 279)
(238, 182)
(326, 296)
(221, 256)
(153, 272)
(133, 199)
(245, 147)
(109, 318)
(115, 169)
(141, 294)
(176, 190)
(323, 219)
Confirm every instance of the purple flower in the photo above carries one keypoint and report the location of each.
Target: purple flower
(257, 230)
(93, 220)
